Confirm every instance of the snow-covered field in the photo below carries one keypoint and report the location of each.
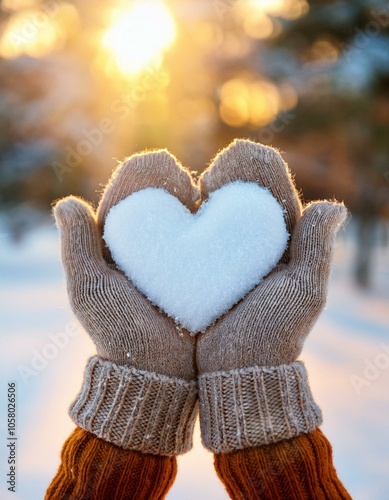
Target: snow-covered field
(347, 356)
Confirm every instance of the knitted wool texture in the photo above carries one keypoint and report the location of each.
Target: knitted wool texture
(92, 469)
(252, 390)
(298, 468)
(293, 469)
(141, 392)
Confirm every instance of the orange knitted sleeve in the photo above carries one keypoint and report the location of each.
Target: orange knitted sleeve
(95, 469)
(293, 469)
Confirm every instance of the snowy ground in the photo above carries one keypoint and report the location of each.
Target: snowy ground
(351, 333)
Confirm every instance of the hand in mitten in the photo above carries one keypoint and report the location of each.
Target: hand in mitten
(252, 390)
(139, 392)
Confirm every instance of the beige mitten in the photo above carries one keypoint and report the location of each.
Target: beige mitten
(253, 391)
(140, 391)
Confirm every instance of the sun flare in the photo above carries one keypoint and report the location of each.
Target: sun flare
(139, 35)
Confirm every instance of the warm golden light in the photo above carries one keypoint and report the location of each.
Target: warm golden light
(18, 4)
(289, 9)
(22, 36)
(258, 26)
(258, 15)
(245, 102)
(35, 32)
(139, 35)
(268, 6)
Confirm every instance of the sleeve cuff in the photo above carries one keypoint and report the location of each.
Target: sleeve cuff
(256, 406)
(135, 409)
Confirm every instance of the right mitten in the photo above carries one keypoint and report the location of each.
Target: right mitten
(254, 392)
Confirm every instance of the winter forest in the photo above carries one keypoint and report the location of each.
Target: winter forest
(308, 78)
(83, 85)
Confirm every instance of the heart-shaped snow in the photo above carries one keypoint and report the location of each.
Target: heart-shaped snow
(195, 267)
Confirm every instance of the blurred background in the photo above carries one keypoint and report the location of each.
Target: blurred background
(85, 84)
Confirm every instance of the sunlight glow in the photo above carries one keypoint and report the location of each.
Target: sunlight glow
(139, 35)
(245, 102)
(290, 9)
(267, 6)
(258, 16)
(37, 33)
(22, 36)
(18, 4)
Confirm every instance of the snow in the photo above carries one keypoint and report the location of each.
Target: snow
(350, 331)
(195, 267)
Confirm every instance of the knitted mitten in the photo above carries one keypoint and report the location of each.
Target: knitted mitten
(252, 390)
(139, 392)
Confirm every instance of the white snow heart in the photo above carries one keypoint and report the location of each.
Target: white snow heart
(195, 267)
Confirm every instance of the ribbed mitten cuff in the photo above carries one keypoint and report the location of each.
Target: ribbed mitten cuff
(256, 406)
(135, 409)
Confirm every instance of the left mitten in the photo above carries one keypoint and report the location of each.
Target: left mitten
(139, 392)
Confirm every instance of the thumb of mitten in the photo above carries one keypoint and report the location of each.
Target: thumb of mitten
(80, 242)
(313, 241)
